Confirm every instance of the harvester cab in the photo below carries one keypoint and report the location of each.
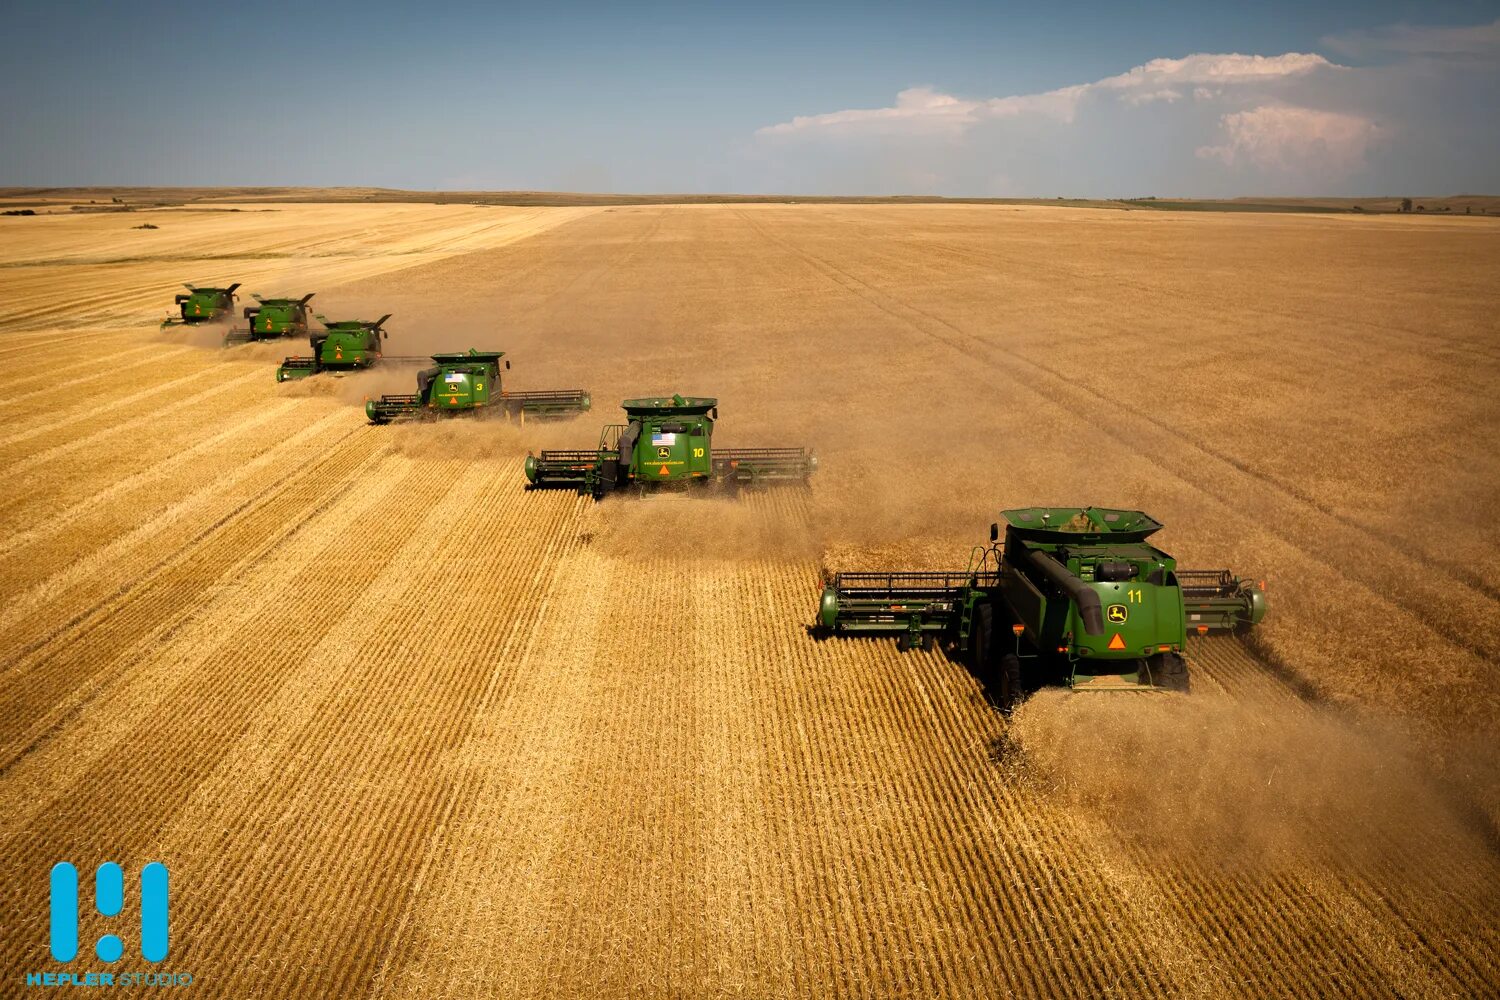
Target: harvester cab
(343, 345)
(666, 442)
(466, 382)
(271, 319)
(201, 304)
(1075, 595)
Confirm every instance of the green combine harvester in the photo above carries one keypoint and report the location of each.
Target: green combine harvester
(1075, 596)
(202, 305)
(270, 320)
(469, 382)
(343, 346)
(667, 442)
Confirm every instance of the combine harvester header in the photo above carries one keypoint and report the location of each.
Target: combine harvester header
(202, 304)
(468, 382)
(667, 442)
(271, 319)
(1077, 595)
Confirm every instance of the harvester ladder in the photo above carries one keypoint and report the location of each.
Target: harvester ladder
(979, 559)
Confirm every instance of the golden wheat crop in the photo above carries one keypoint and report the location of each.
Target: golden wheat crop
(400, 728)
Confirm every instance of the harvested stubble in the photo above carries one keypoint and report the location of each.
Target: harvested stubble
(400, 728)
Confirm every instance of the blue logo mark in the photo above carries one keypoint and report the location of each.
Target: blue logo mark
(109, 900)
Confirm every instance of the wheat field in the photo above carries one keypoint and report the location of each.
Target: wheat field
(399, 727)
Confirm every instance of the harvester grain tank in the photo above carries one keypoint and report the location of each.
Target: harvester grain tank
(666, 442)
(202, 304)
(1075, 595)
(470, 382)
(271, 319)
(342, 346)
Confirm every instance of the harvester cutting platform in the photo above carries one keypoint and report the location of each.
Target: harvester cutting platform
(270, 320)
(667, 442)
(1075, 595)
(469, 382)
(343, 346)
(201, 304)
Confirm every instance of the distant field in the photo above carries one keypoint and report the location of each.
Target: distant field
(401, 728)
(140, 199)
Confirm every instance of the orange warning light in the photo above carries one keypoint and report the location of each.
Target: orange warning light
(1018, 629)
(1203, 630)
(1117, 642)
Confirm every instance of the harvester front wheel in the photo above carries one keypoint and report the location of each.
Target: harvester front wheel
(1170, 672)
(982, 639)
(1009, 682)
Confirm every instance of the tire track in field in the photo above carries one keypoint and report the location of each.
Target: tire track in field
(1433, 603)
(1316, 356)
(911, 252)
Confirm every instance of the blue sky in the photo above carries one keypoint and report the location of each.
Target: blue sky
(759, 98)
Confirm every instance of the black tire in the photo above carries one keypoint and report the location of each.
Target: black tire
(1008, 682)
(982, 639)
(1169, 671)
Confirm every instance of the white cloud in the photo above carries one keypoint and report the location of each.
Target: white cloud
(1213, 69)
(1292, 139)
(925, 110)
(1207, 125)
(917, 108)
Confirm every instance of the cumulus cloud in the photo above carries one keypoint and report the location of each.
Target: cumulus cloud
(916, 109)
(925, 110)
(1402, 110)
(1291, 139)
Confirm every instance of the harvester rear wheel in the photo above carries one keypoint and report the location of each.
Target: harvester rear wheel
(1170, 672)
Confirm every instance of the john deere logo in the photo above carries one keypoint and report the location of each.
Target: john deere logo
(1117, 613)
(664, 453)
